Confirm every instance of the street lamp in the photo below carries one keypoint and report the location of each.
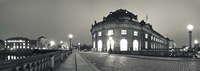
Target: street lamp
(70, 37)
(196, 41)
(190, 28)
(61, 42)
(79, 44)
(52, 43)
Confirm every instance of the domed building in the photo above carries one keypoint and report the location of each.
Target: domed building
(121, 32)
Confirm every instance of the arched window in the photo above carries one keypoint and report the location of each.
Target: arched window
(135, 45)
(99, 45)
(110, 44)
(123, 45)
(94, 44)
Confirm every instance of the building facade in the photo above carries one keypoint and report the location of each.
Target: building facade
(19, 43)
(1, 44)
(42, 42)
(121, 32)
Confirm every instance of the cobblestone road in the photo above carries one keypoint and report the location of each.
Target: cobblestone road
(114, 62)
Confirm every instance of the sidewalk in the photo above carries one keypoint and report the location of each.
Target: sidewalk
(150, 57)
(74, 60)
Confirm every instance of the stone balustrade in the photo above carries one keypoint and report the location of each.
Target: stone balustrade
(42, 62)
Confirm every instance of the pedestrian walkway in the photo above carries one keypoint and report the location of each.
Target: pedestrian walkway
(149, 57)
(75, 62)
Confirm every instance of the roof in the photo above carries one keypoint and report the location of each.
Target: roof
(42, 37)
(17, 38)
(121, 13)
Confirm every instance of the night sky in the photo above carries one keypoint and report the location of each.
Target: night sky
(55, 19)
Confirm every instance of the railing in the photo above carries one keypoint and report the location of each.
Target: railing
(42, 62)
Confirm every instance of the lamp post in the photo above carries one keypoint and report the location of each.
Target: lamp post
(196, 47)
(52, 43)
(79, 46)
(70, 37)
(190, 28)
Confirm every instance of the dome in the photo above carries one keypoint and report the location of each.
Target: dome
(121, 14)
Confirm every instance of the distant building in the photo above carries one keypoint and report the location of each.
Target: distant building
(42, 42)
(121, 31)
(19, 43)
(33, 44)
(1, 44)
(172, 44)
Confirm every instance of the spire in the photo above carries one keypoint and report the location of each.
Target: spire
(146, 19)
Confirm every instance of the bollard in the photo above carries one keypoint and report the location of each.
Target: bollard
(51, 62)
(27, 67)
(61, 56)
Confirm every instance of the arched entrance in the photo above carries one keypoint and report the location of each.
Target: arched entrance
(110, 44)
(100, 45)
(123, 45)
(135, 45)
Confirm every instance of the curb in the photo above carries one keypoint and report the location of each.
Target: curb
(90, 64)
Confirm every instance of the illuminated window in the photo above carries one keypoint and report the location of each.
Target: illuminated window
(94, 35)
(28, 47)
(135, 33)
(94, 44)
(23, 46)
(5, 44)
(123, 45)
(156, 39)
(123, 32)
(146, 35)
(110, 32)
(151, 45)
(99, 45)
(151, 37)
(135, 45)
(146, 44)
(110, 44)
(23, 43)
(99, 34)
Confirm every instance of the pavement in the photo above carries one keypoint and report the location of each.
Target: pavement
(150, 57)
(119, 62)
(76, 62)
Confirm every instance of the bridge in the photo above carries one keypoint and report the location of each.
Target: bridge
(32, 60)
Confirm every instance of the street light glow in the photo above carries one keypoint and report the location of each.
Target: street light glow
(190, 27)
(196, 41)
(52, 43)
(61, 42)
(70, 36)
